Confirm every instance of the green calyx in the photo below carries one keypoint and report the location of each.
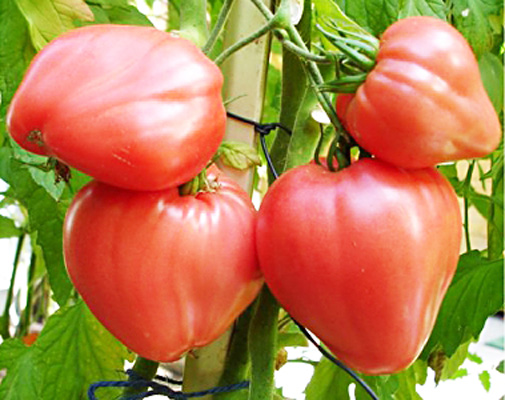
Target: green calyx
(356, 57)
(199, 184)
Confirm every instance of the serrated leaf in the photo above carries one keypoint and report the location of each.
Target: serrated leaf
(328, 382)
(334, 11)
(472, 19)
(44, 216)
(476, 292)
(48, 19)
(16, 52)
(72, 351)
(433, 8)
(117, 12)
(238, 155)
(8, 228)
(409, 379)
(74, 344)
(373, 15)
(23, 379)
(491, 72)
(485, 379)
(447, 367)
(331, 382)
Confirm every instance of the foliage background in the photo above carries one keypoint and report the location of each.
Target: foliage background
(74, 350)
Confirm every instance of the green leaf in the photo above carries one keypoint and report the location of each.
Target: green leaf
(475, 358)
(117, 12)
(8, 228)
(408, 379)
(72, 351)
(501, 367)
(74, 344)
(334, 10)
(491, 72)
(16, 51)
(476, 292)
(448, 367)
(473, 19)
(285, 339)
(332, 382)
(48, 19)
(485, 379)
(460, 373)
(373, 15)
(238, 155)
(23, 380)
(328, 382)
(44, 216)
(434, 8)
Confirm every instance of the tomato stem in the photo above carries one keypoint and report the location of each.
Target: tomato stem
(144, 368)
(466, 190)
(218, 27)
(200, 183)
(4, 319)
(263, 346)
(245, 41)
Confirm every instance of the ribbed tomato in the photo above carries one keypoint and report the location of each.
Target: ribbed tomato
(361, 257)
(164, 273)
(424, 102)
(132, 106)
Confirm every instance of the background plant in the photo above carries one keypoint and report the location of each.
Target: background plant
(74, 350)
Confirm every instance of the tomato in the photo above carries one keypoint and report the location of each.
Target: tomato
(131, 106)
(164, 273)
(361, 257)
(30, 338)
(424, 102)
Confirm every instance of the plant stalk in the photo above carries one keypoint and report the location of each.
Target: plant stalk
(218, 27)
(5, 319)
(144, 368)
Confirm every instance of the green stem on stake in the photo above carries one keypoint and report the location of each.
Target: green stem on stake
(311, 67)
(263, 347)
(245, 41)
(218, 27)
(26, 317)
(238, 362)
(144, 368)
(467, 183)
(495, 213)
(5, 320)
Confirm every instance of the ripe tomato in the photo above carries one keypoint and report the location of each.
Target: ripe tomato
(361, 257)
(424, 101)
(164, 273)
(131, 106)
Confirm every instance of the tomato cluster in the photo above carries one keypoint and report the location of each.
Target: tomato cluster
(364, 256)
(141, 112)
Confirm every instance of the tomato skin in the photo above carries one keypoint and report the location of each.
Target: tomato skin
(131, 106)
(164, 273)
(424, 101)
(361, 257)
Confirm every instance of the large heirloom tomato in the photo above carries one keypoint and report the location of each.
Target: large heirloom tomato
(131, 106)
(163, 272)
(361, 257)
(424, 101)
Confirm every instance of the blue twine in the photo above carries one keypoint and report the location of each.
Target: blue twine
(136, 381)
